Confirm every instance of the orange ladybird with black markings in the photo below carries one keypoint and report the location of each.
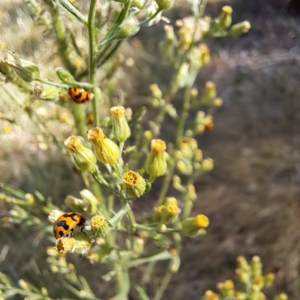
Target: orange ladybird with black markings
(80, 95)
(66, 223)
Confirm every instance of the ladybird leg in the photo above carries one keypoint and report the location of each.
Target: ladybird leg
(81, 230)
(70, 234)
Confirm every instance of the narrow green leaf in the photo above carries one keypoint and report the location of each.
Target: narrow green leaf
(153, 257)
(16, 192)
(125, 287)
(65, 76)
(71, 11)
(142, 293)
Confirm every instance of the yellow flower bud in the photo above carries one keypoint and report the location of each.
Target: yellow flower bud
(82, 157)
(242, 275)
(191, 192)
(75, 204)
(259, 281)
(210, 90)
(171, 200)
(121, 130)
(269, 279)
(225, 17)
(138, 246)
(90, 202)
(170, 213)
(25, 69)
(185, 38)
(156, 163)
(226, 288)
(184, 167)
(207, 165)
(192, 226)
(240, 28)
(218, 102)
(161, 227)
(29, 197)
(256, 266)
(105, 149)
(240, 296)
(205, 55)
(138, 3)
(255, 292)
(281, 296)
(133, 184)
(129, 27)
(242, 263)
(183, 75)
(164, 4)
(147, 135)
(156, 91)
(158, 212)
(99, 226)
(198, 155)
(210, 295)
(187, 147)
(151, 13)
(170, 35)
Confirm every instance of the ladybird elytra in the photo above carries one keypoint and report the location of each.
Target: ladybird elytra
(80, 95)
(66, 223)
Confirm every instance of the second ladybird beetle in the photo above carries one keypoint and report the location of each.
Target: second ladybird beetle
(66, 223)
(80, 95)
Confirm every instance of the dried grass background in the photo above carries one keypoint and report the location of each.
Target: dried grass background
(252, 197)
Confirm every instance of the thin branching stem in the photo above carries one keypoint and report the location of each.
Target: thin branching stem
(92, 60)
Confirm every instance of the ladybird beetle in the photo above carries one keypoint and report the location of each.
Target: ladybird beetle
(66, 223)
(79, 95)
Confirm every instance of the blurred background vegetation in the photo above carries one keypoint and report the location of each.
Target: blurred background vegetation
(251, 197)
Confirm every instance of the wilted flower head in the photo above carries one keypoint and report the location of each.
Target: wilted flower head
(99, 226)
(79, 243)
(105, 149)
(156, 163)
(121, 130)
(133, 184)
(82, 157)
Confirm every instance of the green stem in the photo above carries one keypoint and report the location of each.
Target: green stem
(104, 184)
(165, 282)
(79, 119)
(184, 114)
(70, 9)
(166, 184)
(62, 42)
(145, 22)
(111, 53)
(116, 218)
(61, 85)
(92, 60)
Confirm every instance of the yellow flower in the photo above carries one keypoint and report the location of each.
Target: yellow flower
(225, 17)
(105, 149)
(210, 295)
(240, 28)
(79, 243)
(192, 226)
(205, 55)
(157, 214)
(133, 184)
(156, 163)
(170, 213)
(82, 157)
(99, 226)
(121, 130)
